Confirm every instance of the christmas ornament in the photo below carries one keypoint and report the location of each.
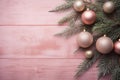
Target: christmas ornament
(117, 47)
(104, 45)
(87, 1)
(88, 17)
(79, 5)
(84, 39)
(89, 54)
(108, 7)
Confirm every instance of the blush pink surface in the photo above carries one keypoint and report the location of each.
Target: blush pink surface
(28, 48)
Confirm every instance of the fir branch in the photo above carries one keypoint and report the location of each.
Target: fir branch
(72, 22)
(114, 34)
(75, 22)
(117, 3)
(101, 1)
(102, 28)
(62, 7)
(68, 17)
(87, 63)
(68, 32)
(107, 64)
(116, 15)
(116, 73)
(94, 6)
(69, 1)
(81, 49)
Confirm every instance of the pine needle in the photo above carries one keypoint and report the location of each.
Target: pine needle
(114, 34)
(62, 7)
(72, 22)
(116, 73)
(87, 63)
(68, 32)
(68, 17)
(69, 1)
(104, 28)
(76, 21)
(107, 64)
(117, 3)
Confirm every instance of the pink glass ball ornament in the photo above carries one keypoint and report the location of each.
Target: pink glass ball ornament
(117, 47)
(104, 45)
(88, 17)
(85, 39)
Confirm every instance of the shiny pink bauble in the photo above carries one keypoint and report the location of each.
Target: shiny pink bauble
(84, 39)
(88, 17)
(104, 45)
(117, 47)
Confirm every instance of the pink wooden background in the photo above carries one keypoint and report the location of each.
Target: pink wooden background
(28, 49)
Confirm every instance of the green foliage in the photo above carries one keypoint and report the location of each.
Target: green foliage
(107, 64)
(87, 63)
(102, 28)
(69, 1)
(115, 34)
(62, 7)
(72, 22)
(116, 73)
(68, 32)
(68, 17)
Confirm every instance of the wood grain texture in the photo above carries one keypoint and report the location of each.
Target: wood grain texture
(29, 12)
(35, 42)
(42, 69)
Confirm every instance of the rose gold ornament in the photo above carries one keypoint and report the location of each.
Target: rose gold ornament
(89, 54)
(84, 39)
(87, 1)
(79, 5)
(104, 45)
(88, 17)
(108, 7)
(117, 47)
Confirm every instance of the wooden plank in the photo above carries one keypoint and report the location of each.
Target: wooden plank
(42, 69)
(36, 42)
(29, 12)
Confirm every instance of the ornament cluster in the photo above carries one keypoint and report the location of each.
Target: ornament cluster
(88, 17)
(103, 44)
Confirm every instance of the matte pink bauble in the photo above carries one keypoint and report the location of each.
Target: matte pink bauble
(104, 45)
(84, 39)
(79, 5)
(88, 17)
(117, 47)
(109, 7)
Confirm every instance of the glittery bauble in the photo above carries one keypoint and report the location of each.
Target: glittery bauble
(89, 54)
(108, 7)
(88, 17)
(104, 45)
(117, 47)
(79, 5)
(84, 39)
